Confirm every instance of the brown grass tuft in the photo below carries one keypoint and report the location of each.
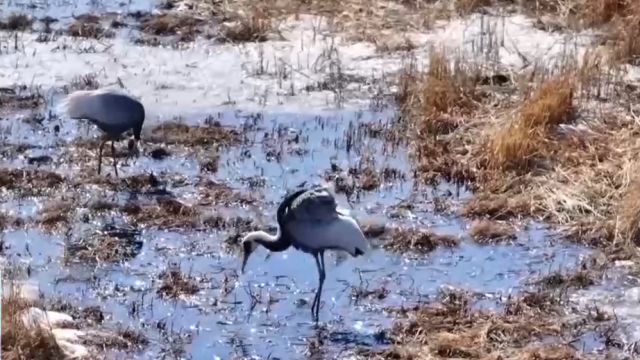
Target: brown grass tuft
(438, 97)
(29, 181)
(252, 27)
(88, 26)
(177, 133)
(497, 206)
(489, 231)
(186, 27)
(520, 145)
(17, 22)
(629, 214)
(421, 241)
(166, 213)
(20, 342)
(101, 247)
(176, 284)
(56, 213)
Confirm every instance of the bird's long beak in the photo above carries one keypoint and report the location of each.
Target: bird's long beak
(245, 258)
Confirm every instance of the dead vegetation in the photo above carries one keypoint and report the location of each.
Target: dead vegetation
(89, 26)
(166, 213)
(489, 231)
(175, 284)
(420, 241)
(102, 247)
(185, 27)
(16, 22)
(254, 26)
(531, 326)
(558, 149)
(171, 133)
(56, 213)
(27, 182)
(20, 98)
(20, 341)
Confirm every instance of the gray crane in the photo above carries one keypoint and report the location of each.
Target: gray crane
(112, 112)
(309, 220)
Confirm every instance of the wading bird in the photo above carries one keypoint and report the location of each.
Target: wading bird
(112, 112)
(309, 220)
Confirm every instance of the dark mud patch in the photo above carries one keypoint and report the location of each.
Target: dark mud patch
(30, 182)
(418, 241)
(173, 133)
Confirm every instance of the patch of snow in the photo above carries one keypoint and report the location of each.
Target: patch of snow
(284, 75)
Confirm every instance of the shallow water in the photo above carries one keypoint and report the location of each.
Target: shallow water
(222, 320)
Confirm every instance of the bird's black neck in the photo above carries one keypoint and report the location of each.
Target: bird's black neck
(280, 244)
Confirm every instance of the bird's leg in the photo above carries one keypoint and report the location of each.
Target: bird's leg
(315, 298)
(322, 276)
(100, 155)
(113, 154)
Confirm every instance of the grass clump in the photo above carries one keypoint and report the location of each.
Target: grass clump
(17, 22)
(20, 341)
(419, 241)
(169, 24)
(166, 213)
(29, 181)
(252, 27)
(88, 26)
(102, 247)
(519, 146)
(56, 213)
(489, 231)
(177, 133)
(175, 284)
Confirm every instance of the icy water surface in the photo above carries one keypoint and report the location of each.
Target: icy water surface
(266, 311)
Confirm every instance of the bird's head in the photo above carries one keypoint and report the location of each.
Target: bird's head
(249, 245)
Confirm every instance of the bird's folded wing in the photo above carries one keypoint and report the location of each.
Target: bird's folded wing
(314, 205)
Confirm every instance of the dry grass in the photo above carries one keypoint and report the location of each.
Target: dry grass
(175, 284)
(166, 24)
(56, 213)
(520, 146)
(166, 213)
(211, 192)
(29, 181)
(252, 27)
(436, 98)
(488, 231)
(420, 241)
(88, 26)
(18, 99)
(17, 22)
(100, 247)
(629, 214)
(178, 133)
(20, 342)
